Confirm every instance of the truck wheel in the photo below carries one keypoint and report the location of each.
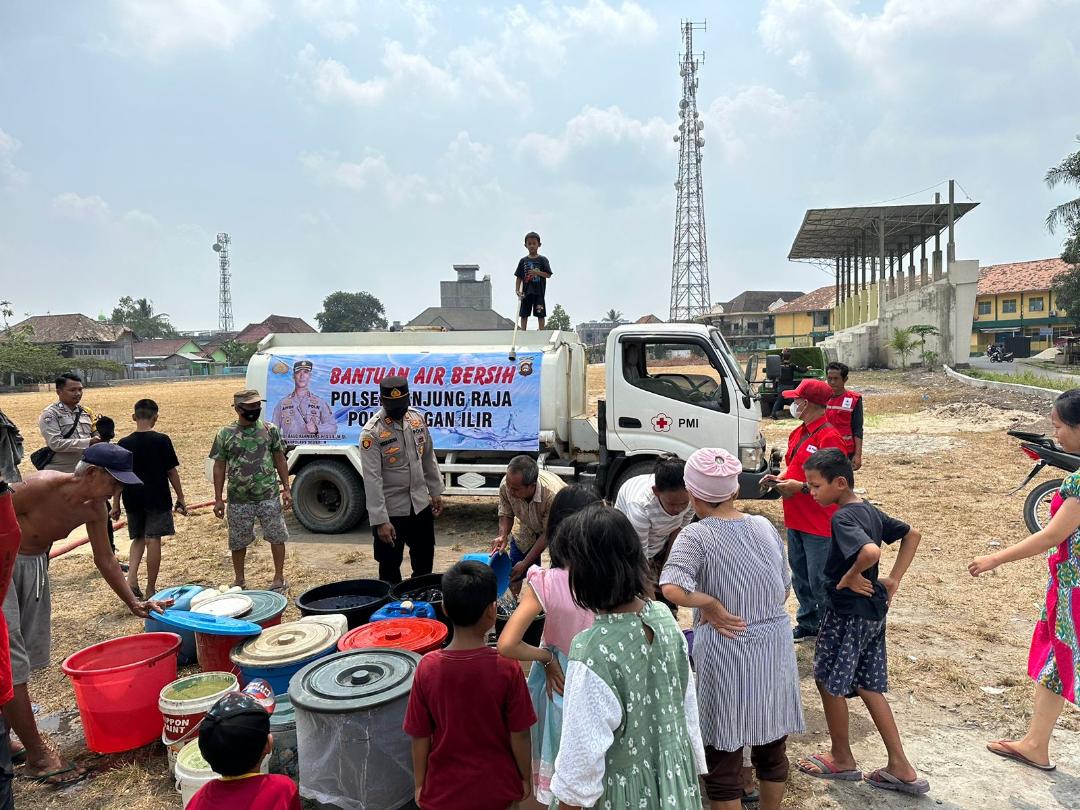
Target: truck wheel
(328, 497)
(1037, 505)
(633, 471)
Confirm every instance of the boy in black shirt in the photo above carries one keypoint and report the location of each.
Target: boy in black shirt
(149, 507)
(850, 657)
(532, 274)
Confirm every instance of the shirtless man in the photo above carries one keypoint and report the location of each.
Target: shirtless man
(48, 507)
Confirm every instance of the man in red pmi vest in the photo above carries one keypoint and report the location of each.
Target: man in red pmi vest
(845, 412)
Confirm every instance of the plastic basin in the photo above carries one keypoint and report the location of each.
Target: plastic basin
(117, 684)
(357, 599)
(213, 651)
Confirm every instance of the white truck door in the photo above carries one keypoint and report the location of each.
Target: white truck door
(669, 393)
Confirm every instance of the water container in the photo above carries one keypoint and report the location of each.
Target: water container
(193, 771)
(230, 605)
(182, 596)
(500, 564)
(336, 620)
(266, 608)
(283, 759)
(357, 599)
(215, 636)
(418, 635)
(404, 610)
(280, 652)
(184, 703)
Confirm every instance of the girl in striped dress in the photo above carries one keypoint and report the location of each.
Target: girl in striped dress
(731, 569)
(547, 591)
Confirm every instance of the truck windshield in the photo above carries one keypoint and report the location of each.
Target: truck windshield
(737, 374)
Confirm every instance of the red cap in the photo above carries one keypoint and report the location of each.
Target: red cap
(818, 392)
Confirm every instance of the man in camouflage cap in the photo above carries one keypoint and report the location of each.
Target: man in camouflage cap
(402, 483)
(301, 415)
(251, 454)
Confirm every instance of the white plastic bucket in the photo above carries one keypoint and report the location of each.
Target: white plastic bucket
(192, 771)
(184, 703)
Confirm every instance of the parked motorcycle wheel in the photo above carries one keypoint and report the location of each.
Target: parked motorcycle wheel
(1037, 505)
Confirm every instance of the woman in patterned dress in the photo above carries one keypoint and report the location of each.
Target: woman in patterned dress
(630, 735)
(1054, 660)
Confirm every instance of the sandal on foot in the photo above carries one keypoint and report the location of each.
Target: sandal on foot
(18, 755)
(826, 769)
(51, 779)
(753, 797)
(1006, 750)
(135, 589)
(884, 780)
(283, 588)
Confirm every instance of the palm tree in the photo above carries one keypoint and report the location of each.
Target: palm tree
(903, 343)
(1066, 173)
(613, 316)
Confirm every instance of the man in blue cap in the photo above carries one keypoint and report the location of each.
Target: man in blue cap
(49, 506)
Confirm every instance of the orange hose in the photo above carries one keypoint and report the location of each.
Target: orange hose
(71, 545)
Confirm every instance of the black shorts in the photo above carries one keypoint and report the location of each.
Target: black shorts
(850, 655)
(532, 305)
(152, 523)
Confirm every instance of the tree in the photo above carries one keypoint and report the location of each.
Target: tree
(922, 331)
(6, 311)
(613, 316)
(1067, 173)
(1071, 249)
(351, 312)
(139, 316)
(558, 319)
(903, 344)
(1066, 291)
(238, 354)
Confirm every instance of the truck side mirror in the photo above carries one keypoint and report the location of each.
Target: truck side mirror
(752, 367)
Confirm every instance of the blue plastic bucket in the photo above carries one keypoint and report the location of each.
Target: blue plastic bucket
(397, 610)
(500, 563)
(182, 594)
(280, 652)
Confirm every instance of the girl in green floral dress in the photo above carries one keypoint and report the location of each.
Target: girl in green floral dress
(630, 734)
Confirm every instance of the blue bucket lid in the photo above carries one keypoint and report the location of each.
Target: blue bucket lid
(205, 623)
(179, 593)
(500, 564)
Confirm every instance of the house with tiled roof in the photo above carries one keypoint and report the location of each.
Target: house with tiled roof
(75, 335)
(1016, 299)
(807, 320)
(747, 319)
(274, 324)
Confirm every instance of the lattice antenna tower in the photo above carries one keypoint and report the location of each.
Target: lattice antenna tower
(225, 318)
(690, 256)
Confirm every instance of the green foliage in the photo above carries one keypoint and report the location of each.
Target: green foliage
(36, 363)
(613, 316)
(1066, 290)
(1071, 249)
(903, 343)
(558, 319)
(351, 312)
(922, 331)
(139, 316)
(1067, 173)
(238, 354)
(1027, 378)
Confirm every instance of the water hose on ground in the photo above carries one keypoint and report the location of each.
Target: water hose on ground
(70, 545)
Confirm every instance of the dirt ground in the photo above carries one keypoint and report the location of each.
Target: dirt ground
(936, 455)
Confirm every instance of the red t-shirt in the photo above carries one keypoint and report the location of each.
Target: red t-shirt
(262, 792)
(10, 537)
(469, 702)
(801, 512)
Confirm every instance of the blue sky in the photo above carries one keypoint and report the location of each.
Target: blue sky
(367, 145)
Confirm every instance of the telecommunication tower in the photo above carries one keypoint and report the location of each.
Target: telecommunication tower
(690, 256)
(225, 319)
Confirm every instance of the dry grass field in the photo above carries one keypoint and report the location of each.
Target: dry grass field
(936, 455)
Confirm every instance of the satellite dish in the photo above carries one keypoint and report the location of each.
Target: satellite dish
(217, 247)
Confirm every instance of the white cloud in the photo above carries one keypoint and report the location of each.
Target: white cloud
(10, 174)
(141, 219)
(737, 125)
(157, 28)
(594, 126)
(76, 206)
(466, 171)
(330, 81)
(627, 22)
(423, 14)
(335, 19)
(371, 172)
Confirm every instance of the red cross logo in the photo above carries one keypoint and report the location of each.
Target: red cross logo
(661, 423)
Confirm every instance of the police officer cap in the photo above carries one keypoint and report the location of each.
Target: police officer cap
(393, 389)
(302, 365)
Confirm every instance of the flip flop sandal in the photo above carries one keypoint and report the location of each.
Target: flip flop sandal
(18, 757)
(283, 589)
(884, 780)
(826, 769)
(753, 797)
(1008, 752)
(49, 777)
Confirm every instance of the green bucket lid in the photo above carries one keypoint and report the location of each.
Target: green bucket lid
(264, 605)
(354, 681)
(284, 716)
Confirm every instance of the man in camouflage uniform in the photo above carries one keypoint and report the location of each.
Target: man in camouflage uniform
(251, 454)
(302, 415)
(402, 483)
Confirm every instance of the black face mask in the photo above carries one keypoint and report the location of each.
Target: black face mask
(251, 415)
(396, 411)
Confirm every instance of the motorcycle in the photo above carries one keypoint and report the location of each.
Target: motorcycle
(1045, 452)
(996, 354)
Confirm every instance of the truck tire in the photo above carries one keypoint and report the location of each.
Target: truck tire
(328, 497)
(1037, 505)
(633, 471)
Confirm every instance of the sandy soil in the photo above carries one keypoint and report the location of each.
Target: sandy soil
(936, 455)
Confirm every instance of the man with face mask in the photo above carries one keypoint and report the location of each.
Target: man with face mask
(808, 531)
(251, 454)
(48, 507)
(402, 483)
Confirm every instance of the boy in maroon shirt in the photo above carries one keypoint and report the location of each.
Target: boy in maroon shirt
(234, 738)
(469, 710)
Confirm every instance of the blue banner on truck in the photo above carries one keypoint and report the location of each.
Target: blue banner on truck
(470, 401)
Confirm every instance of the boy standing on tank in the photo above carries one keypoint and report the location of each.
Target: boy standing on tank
(532, 274)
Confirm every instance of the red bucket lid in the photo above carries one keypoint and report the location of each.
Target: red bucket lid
(415, 634)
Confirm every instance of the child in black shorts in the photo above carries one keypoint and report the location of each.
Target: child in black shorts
(850, 658)
(532, 274)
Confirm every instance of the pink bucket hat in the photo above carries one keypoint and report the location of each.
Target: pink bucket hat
(712, 474)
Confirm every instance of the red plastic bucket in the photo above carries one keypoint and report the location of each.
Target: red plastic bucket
(117, 684)
(418, 635)
(213, 652)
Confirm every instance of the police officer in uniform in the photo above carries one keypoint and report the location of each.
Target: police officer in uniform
(402, 483)
(302, 415)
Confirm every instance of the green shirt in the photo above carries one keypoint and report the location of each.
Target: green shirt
(248, 453)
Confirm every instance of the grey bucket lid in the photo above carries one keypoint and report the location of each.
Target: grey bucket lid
(284, 716)
(354, 681)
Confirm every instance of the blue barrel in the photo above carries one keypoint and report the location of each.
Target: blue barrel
(405, 610)
(280, 652)
(182, 595)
